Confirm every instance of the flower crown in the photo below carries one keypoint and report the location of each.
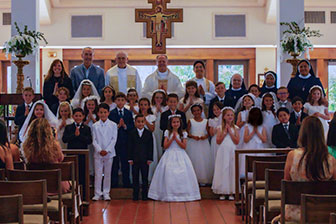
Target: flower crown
(87, 82)
(174, 115)
(159, 90)
(227, 108)
(92, 97)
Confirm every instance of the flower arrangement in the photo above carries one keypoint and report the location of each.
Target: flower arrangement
(24, 43)
(295, 40)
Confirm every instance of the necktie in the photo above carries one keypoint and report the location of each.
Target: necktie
(286, 129)
(77, 125)
(120, 113)
(222, 101)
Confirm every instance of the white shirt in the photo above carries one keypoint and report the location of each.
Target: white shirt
(121, 109)
(29, 105)
(104, 135)
(220, 99)
(208, 94)
(163, 75)
(140, 131)
(122, 79)
(297, 114)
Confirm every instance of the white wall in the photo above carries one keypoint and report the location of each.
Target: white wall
(265, 60)
(47, 59)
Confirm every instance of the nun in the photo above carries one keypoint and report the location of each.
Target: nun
(237, 88)
(303, 81)
(270, 83)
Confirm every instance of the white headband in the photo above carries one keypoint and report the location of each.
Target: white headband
(227, 108)
(159, 91)
(174, 115)
(314, 87)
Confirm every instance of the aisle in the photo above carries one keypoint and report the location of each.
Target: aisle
(129, 212)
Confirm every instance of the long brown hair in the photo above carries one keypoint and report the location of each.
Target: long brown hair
(40, 144)
(170, 128)
(312, 140)
(188, 84)
(310, 96)
(51, 71)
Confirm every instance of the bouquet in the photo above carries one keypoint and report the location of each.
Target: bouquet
(24, 43)
(295, 40)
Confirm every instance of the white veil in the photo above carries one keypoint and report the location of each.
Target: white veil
(76, 101)
(239, 104)
(65, 102)
(47, 115)
(275, 100)
(92, 97)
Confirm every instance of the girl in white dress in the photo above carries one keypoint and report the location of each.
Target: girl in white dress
(227, 139)
(213, 124)
(107, 97)
(132, 101)
(247, 101)
(316, 106)
(254, 137)
(85, 89)
(145, 109)
(90, 107)
(158, 107)
(190, 98)
(269, 117)
(174, 178)
(64, 116)
(198, 146)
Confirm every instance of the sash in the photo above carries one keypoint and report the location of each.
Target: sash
(131, 82)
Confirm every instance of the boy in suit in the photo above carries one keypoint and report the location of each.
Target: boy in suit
(124, 119)
(22, 110)
(282, 94)
(284, 134)
(225, 100)
(297, 116)
(140, 155)
(172, 101)
(104, 134)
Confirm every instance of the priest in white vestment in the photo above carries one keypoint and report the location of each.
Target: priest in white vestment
(206, 88)
(162, 78)
(123, 76)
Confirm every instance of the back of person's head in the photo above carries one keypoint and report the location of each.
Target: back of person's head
(312, 141)
(3, 134)
(255, 117)
(40, 144)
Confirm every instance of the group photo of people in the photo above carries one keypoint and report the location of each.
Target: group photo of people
(166, 139)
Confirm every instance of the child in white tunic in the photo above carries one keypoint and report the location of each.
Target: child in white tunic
(198, 146)
(269, 117)
(64, 116)
(145, 109)
(246, 101)
(174, 178)
(158, 107)
(227, 138)
(316, 106)
(85, 89)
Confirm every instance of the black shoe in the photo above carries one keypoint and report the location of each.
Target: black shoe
(135, 198)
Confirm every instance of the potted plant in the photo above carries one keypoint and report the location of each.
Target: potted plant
(21, 45)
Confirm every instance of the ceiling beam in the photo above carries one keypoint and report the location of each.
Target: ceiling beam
(45, 12)
(270, 11)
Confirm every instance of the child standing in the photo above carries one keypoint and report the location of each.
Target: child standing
(284, 134)
(247, 101)
(22, 110)
(174, 178)
(198, 147)
(316, 106)
(108, 94)
(64, 116)
(85, 89)
(297, 116)
(140, 155)
(104, 134)
(269, 117)
(132, 101)
(145, 110)
(190, 98)
(123, 117)
(227, 139)
(282, 95)
(158, 107)
(221, 97)
(62, 95)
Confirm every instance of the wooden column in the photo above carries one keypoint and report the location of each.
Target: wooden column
(66, 66)
(210, 74)
(322, 71)
(252, 72)
(107, 64)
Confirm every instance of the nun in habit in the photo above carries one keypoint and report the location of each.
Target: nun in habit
(270, 83)
(237, 88)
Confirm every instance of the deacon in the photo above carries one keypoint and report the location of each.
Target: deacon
(162, 78)
(123, 76)
(87, 70)
(206, 88)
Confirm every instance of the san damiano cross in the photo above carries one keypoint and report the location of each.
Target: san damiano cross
(158, 21)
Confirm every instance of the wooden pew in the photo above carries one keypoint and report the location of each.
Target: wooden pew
(11, 210)
(332, 219)
(239, 152)
(317, 208)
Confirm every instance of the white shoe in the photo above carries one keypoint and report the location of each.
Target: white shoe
(231, 198)
(96, 198)
(222, 197)
(107, 198)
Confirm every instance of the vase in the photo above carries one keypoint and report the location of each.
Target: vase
(20, 77)
(294, 62)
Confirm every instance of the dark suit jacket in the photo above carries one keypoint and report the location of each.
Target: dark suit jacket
(77, 142)
(19, 115)
(280, 138)
(228, 102)
(164, 119)
(140, 149)
(122, 133)
(293, 119)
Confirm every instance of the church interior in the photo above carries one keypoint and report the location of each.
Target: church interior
(229, 37)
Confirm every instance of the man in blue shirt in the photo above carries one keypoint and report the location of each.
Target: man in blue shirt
(87, 70)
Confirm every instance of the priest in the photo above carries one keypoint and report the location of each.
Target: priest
(237, 88)
(123, 76)
(162, 78)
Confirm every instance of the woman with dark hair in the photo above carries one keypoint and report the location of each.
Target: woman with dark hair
(57, 77)
(6, 159)
(303, 81)
(310, 162)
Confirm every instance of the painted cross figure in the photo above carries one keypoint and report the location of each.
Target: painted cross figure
(158, 21)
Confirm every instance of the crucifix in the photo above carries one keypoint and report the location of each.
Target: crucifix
(158, 21)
